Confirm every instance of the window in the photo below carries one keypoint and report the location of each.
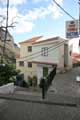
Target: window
(29, 48)
(21, 63)
(29, 64)
(45, 51)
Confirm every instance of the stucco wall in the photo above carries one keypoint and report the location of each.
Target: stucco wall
(52, 54)
(25, 70)
(75, 42)
(24, 50)
(55, 56)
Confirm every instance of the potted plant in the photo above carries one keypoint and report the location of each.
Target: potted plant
(34, 81)
(30, 80)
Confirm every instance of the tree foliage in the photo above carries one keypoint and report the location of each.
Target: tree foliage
(6, 74)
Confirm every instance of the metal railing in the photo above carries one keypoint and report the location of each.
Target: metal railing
(46, 82)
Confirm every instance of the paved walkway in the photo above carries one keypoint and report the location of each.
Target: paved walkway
(66, 84)
(28, 107)
(63, 84)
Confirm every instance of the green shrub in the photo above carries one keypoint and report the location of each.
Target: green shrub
(6, 74)
(32, 81)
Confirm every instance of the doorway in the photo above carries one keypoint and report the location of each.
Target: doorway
(45, 71)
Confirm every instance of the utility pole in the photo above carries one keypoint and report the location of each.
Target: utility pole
(6, 32)
(6, 29)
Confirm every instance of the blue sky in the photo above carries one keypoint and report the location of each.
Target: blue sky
(38, 17)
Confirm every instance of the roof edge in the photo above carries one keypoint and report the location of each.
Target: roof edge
(33, 39)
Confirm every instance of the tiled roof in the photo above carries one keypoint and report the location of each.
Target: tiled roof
(34, 39)
(40, 39)
(46, 40)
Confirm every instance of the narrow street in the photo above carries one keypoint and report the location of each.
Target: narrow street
(16, 110)
(66, 84)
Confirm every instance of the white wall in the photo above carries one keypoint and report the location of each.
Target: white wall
(75, 42)
(69, 48)
(61, 56)
(8, 88)
(55, 56)
(39, 73)
(52, 55)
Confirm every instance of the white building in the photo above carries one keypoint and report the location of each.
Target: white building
(75, 49)
(45, 53)
(53, 51)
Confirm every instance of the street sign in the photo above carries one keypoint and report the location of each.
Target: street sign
(72, 29)
(71, 34)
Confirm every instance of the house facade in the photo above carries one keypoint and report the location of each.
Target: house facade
(39, 55)
(24, 61)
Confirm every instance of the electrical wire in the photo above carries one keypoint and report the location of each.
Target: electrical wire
(51, 46)
(51, 49)
(63, 10)
(36, 54)
(60, 43)
(39, 53)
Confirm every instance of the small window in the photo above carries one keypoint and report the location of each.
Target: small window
(29, 48)
(29, 64)
(45, 51)
(21, 63)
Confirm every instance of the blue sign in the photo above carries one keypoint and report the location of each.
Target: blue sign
(72, 34)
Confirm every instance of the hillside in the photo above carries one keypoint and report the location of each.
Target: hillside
(11, 48)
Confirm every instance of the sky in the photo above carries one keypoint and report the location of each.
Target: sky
(37, 17)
